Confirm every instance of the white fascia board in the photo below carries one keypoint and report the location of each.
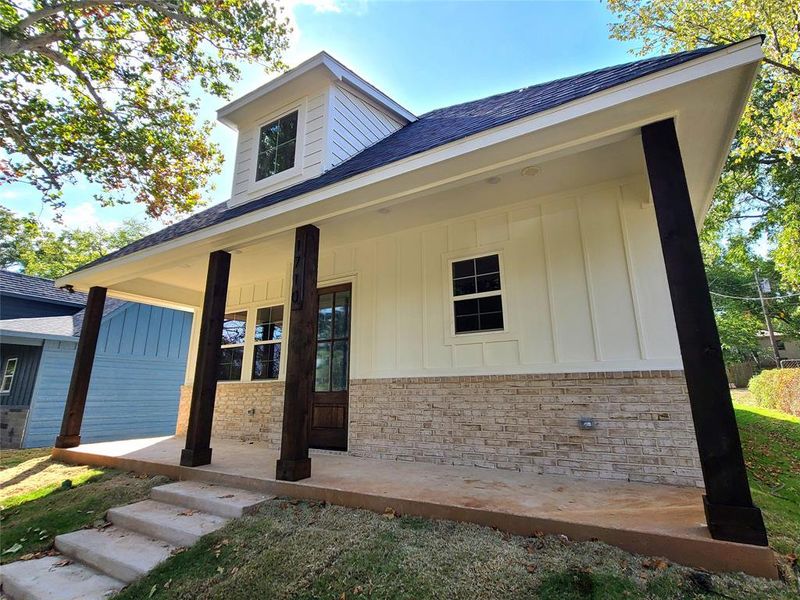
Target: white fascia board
(32, 338)
(348, 76)
(746, 52)
(335, 68)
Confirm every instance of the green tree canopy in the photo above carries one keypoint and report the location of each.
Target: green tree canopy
(106, 89)
(29, 245)
(760, 188)
(731, 269)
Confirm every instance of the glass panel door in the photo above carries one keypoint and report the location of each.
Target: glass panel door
(331, 379)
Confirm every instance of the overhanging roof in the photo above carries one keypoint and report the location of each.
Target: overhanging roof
(449, 128)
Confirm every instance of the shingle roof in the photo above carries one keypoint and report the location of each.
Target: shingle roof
(110, 306)
(18, 284)
(60, 325)
(431, 130)
(69, 325)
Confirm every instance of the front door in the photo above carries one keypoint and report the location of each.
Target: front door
(329, 404)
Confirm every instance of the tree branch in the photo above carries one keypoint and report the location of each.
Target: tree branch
(10, 128)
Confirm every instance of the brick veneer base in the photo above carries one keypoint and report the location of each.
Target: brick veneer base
(517, 422)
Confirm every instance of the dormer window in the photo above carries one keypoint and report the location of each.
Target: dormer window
(277, 142)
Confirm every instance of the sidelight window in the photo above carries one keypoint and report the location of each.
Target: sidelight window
(267, 342)
(234, 329)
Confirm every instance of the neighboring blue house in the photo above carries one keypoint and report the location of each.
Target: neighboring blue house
(139, 366)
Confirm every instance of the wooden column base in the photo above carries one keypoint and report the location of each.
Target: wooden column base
(742, 524)
(191, 457)
(293, 470)
(68, 441)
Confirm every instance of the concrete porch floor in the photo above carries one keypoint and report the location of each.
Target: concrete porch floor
(648, 519)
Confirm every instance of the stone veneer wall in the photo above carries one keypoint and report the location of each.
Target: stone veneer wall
(242, 411)
(516, 422)
(12, 425)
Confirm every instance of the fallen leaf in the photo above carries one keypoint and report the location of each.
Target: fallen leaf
(388, 514)
(152, 591)
(14, 548)
(27, 556)
(166, 585)
(531, 568)
(220, 570)
(62, 563)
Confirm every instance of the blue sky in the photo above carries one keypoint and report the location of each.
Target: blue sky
(423, 54)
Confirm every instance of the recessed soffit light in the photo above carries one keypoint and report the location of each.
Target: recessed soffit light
(530, 171)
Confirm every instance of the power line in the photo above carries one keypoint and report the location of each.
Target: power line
(756, 297)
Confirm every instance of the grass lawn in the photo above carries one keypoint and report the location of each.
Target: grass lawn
(306, 551)
(771, 444)
(36, 504)
(310, 551)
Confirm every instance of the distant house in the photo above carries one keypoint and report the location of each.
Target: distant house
(788, 348)
(140, 362)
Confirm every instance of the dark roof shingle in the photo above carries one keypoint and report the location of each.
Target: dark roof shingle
(28, 286)
(431, 130)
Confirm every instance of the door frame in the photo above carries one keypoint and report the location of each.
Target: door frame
(332, 286)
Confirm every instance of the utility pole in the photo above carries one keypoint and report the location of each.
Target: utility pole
(775, 353)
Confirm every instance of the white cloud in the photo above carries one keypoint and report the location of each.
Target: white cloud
(84, 216)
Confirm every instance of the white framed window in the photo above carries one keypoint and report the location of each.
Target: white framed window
(251, 344)
(477, 294)
(231, 359)
(267, 340)
(8, 376)
(277, 146)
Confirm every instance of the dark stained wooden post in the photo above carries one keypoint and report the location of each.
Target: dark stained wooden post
(70, 435)
(201, 412)
(729, 508)
(294, 463)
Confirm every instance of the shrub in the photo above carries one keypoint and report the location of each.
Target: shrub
(778, 389)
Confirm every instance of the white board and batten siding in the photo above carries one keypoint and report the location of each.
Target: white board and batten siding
(134, 389)
(584, 289)
(355, 124)
(336, 124)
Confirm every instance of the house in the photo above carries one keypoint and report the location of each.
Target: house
(140, 361)
(23, 296)
(512, 283)
(788, 349)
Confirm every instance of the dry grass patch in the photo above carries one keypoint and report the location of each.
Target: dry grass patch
(41, 498)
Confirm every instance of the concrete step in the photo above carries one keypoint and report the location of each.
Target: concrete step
(210, 498)
(42, 579)
(174, 524)
(117, 552)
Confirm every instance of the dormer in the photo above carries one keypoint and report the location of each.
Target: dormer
(303, 123)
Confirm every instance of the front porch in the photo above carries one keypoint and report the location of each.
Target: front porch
(649, 519)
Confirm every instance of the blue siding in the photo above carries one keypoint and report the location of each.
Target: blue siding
(137, 374)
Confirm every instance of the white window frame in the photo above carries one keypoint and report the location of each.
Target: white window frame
(453, 298)
(249, 344)
(6, 389)
(243, 345)
(255, 342)
(296, 171)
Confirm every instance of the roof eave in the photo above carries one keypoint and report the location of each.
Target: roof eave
(745, 52)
